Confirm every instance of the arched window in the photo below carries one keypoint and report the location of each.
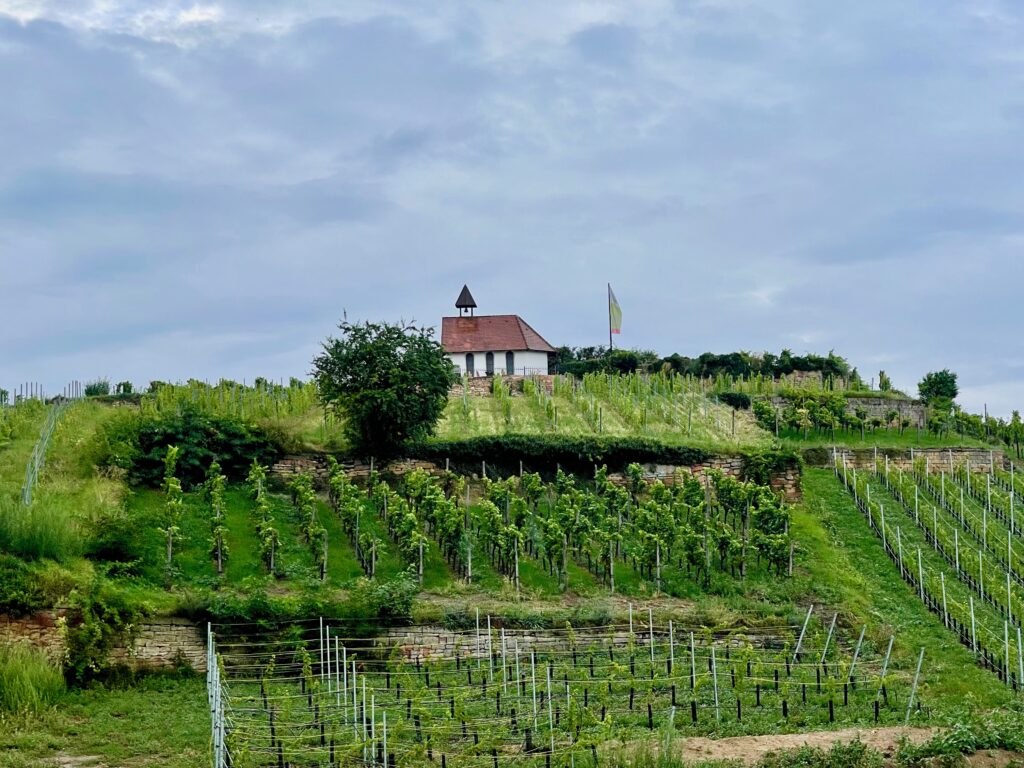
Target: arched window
(510, 363)
(469, 363)
(490, 363)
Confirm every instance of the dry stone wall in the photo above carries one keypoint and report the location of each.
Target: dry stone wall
(157, 645)
(936, 459)
(480, 386)
(875, 408)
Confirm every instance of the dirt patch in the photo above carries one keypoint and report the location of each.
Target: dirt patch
(750, 749)
(996, 758)
(78, 761)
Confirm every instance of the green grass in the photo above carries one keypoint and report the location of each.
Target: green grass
(161, 721)
(29, 681)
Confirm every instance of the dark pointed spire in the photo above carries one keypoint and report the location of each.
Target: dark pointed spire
(465, 301)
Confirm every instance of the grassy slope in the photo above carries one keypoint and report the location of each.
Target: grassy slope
(162, 721)
(849, 570)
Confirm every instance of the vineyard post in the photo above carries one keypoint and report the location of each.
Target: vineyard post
(1009, 597)
(479, 648)
(515, 545)
(504, 664)
(942, 478)
(671, 650)
(885, 542)
(856, 651)
(344, 683)
(384, 728)
(373, 729)
(945, 609)
(956, 549)
(962, 510)
(984, 526)
(693, 663)
(1020, 660)
(321, 644)
(803, 631)
(337, 675)
(519, 688)
(885, 665)
(490, 651)
(533, 679)
(981, 575)
(920, 574)
(551, 721)
(974, 626)
(714, 676)
(1013, 528)
(917, 516)
(913, 688)
(329, 677)
(631, 620)
(899, 547)
(935, 528)
(828, 638)
(355, 700)
(1006, 644)
(650, 632)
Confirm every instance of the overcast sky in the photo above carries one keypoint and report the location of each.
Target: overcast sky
(200, 189)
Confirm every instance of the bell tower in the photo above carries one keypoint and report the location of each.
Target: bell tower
(465, 303)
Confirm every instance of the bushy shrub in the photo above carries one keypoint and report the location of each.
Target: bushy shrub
(97, 388)
(29, 682)
(20, 592)
(138, 444)
(384, 598)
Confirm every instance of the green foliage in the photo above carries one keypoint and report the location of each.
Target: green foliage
(884, 382)
(972, 733)
(545, 452)
(766, 415)
(20, 592)
(100, 617)
(938, 386)
(390, 381)
(138, 444)
(386, 599)
(29, 682)
(125, 388)
(97, 388)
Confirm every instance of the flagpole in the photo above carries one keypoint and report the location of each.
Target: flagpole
(610, 345)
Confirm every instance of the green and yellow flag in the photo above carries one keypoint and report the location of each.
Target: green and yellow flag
(614, 314)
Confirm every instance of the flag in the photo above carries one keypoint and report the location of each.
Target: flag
(614, 313)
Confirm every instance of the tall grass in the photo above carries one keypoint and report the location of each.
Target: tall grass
(29, 682)
(42, 530)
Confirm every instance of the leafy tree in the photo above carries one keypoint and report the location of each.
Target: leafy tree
(938, 386)
(125, 388)
(174, 503)
(391, 381)
(884, 382)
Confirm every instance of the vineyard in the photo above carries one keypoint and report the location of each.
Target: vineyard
(667, 407)
(494, 696)
(959, 554)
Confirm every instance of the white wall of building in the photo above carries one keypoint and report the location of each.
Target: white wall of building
(524, 363)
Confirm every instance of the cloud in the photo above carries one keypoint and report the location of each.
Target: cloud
(199, 188)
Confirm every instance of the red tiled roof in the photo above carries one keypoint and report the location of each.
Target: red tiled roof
(490, 333)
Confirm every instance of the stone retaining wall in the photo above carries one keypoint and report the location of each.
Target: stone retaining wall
(936, 459)
(157, 645)
(480, 386)
(875, 408)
